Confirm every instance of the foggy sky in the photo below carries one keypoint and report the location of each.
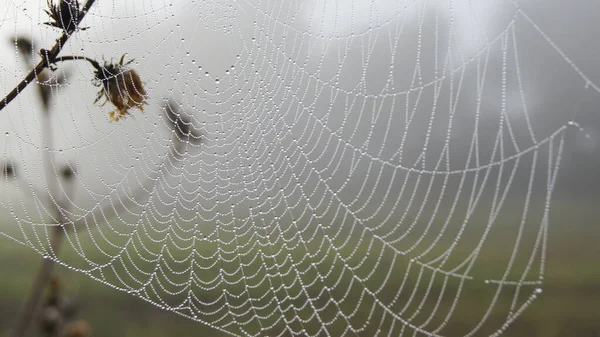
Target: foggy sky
(308, 79)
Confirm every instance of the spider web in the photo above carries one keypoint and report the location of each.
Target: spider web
(303, 168)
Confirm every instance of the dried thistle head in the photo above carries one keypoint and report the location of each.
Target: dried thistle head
(65, 14)
(121, 86)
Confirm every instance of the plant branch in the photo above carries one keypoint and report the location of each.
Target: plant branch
(93, 62)
(47, 59)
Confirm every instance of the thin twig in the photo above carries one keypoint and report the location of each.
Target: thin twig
(48, 59)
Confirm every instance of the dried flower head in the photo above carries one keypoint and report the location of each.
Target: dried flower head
(65, 14)
(121, 86)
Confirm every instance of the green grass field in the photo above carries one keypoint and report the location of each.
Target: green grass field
(568, 305)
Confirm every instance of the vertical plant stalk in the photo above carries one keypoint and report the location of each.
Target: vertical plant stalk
(32, 304)
(46, 59)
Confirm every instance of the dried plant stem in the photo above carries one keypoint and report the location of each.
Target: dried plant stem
(32, 304)
(42, 278)
(46, 61)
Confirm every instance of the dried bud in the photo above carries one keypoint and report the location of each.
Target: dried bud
(181, 124)
(68, 307)
(25, 46)
(51, 320)
(77, 329)
(67, 172)
(8, 169)
(65, 14)
(58, 301)
(121, 86)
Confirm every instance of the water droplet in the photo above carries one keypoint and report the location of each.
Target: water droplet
(216, 80)
(206, 74)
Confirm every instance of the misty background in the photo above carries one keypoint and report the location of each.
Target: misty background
(328, 115)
